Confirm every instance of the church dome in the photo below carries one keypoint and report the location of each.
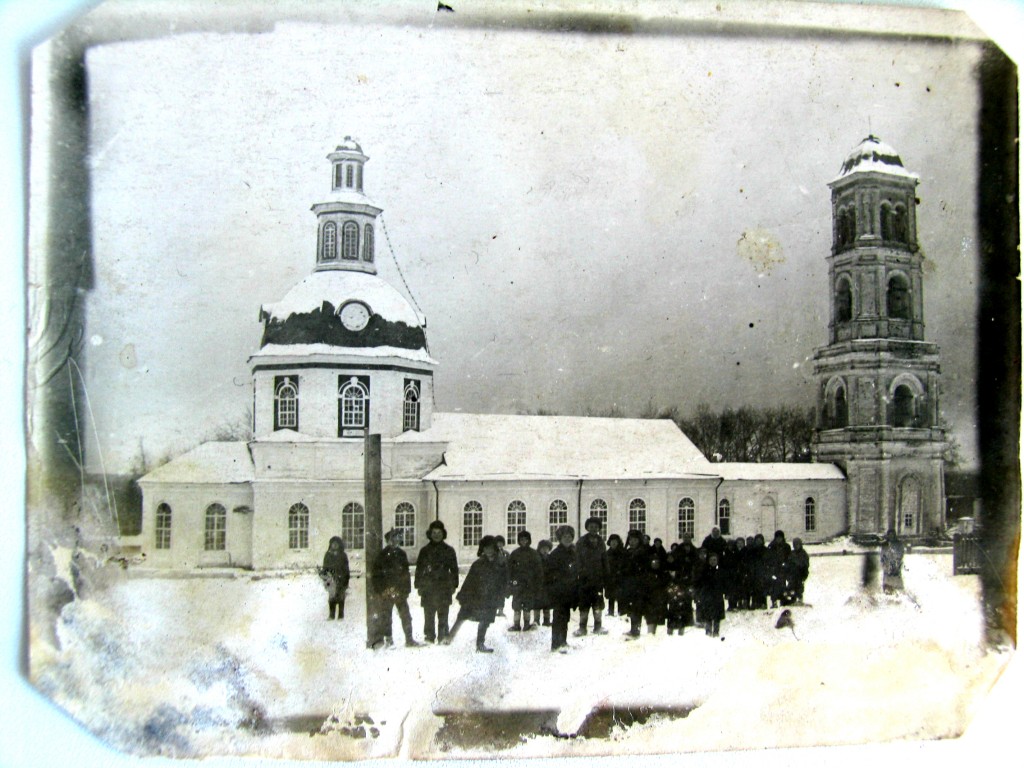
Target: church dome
(349, 145)
(873, 154)
(346, 309)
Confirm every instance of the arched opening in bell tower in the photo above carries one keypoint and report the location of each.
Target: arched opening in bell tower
(897, 298)
(844, 301)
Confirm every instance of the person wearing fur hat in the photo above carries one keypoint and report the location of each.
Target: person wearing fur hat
(482, 594)
(560, 579)
(616, 561)
(800, 563)
(591, 574)
(336, 566)
(391, 586)
(525, 573)
(437, 577)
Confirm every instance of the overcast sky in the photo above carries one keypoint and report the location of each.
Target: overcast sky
(573, 213)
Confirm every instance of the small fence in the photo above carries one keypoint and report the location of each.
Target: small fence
(967, 553)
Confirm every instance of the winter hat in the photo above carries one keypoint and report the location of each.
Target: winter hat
(485, 542)
(595, 520)
(336, 539)
(524, 535)
(394, 532)
(564, 530)
(634, 533)
(437, 525)
(544, 543)
(615, 537)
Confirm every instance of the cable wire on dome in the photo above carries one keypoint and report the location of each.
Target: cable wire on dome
(398, 266)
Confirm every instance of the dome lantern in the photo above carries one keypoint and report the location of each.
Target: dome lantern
(346, 219)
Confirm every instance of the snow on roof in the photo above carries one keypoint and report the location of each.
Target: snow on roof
(310, 350)
(213, 462)
(872, 154)
(338, 286)
(499, 447)
(346, 197)
(777, 470)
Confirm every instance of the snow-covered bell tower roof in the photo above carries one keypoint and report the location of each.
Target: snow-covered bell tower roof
(873, 155)
(338, 288)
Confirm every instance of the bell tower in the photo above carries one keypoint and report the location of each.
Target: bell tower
(878, 379)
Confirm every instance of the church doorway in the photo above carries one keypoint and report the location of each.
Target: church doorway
(241, 538)
(908, 521)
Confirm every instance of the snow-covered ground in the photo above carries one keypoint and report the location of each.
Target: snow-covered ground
(250, 665)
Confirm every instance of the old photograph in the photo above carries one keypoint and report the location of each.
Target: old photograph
(489, 380)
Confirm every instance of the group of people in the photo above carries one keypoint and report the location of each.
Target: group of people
(639, 579)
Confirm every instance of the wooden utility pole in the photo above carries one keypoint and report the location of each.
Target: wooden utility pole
(374, 535)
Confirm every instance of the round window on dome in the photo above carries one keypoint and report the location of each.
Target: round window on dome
(354, 315)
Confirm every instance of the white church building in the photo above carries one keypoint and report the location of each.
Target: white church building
(345, 354)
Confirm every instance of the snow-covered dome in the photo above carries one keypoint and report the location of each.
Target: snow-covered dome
(344, 309)
(872, 154)
(349, 145)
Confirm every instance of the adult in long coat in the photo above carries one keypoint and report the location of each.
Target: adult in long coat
(776, 555)
(711, 595)
(437, 577)
(800, 563)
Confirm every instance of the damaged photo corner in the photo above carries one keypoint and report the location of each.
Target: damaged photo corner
(540, 252)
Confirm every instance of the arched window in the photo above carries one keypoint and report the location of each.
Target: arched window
(353, 525)
(359, 177)
(353, 398)
(163, 526)
(638, 515)
(599, 509)
(810, 516)
(368, 243)
(887, 221)
(472, 523)
(723, 516)
(844, 301)
(298, 526)
(516, 520)
(411, 406)
(337, 175)
(685, 518)
(330, 249)
(769, 517)
(286, 402)
(903, 407)
(847, 226)
(348, 176)
(350, 241)
(405, 522)
(901, 225)
(215, 534)
(897, 298)
(558, 514)
(841, 411)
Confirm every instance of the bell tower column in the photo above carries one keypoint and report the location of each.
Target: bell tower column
(878, 379)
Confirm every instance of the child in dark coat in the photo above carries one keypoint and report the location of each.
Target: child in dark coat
(633, 588)
(391, 586)
(657, 581)
(525, 574)
(560, 579)
(437, 576)
(482, 594)
(678, 607)
(543, 604)
(800, 562)
(336, 575)
(591, 574)
(616, 560)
